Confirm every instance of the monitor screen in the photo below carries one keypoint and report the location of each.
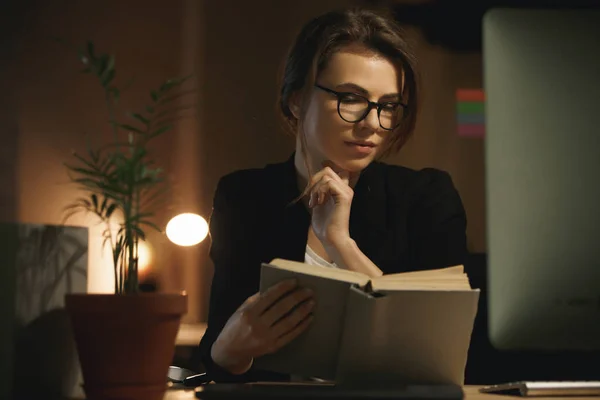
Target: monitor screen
(542, 166)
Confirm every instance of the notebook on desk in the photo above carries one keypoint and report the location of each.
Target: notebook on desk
(279, 390)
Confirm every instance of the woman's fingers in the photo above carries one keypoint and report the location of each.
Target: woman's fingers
(272, 294)
(349, 178)
(328, 187)
(327, 171)
(294, 332)
(301, 312)
(284, 316)
(286, 304)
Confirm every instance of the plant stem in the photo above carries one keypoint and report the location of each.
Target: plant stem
(122, 271)
(137, 196)
(118, 267)
(115, 257)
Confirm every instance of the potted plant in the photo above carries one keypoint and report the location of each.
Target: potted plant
(125, 340)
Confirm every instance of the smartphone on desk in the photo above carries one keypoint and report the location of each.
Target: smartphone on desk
(179, 378)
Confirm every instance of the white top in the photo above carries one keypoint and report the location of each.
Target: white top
(312, 258)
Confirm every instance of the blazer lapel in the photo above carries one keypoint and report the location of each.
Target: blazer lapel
(369, 214)
(292, 231)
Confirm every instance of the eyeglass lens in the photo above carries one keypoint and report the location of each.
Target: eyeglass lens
(354, 109)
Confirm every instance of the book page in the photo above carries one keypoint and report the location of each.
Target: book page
(455, 270)
(337, 274)
(439, 285)
(451, 278)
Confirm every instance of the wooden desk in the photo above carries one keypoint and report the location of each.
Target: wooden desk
(471, 393)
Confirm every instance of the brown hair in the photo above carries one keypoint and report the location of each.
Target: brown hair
(373, 29)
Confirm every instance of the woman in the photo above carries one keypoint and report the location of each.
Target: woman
(349, 95)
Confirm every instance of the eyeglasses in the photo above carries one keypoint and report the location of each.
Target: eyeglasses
(353, 108)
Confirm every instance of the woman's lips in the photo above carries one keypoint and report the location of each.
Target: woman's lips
(362, 148)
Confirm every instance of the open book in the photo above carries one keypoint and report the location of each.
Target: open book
(412, 327)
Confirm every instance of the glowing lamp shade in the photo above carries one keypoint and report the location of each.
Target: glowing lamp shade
(187, 229)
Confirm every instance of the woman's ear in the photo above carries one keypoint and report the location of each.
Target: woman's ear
(294, 104)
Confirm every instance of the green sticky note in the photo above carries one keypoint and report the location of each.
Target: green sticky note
(470, 107)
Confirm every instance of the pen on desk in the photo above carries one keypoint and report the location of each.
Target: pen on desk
(196, 380)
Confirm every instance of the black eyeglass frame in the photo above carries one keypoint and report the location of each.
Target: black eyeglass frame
(371, 105)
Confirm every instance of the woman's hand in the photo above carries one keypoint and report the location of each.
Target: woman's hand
(263, 324)
(330, 198)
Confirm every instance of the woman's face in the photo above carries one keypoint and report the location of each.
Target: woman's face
(350, 146)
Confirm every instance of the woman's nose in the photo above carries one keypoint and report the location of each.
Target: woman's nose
(371, 120)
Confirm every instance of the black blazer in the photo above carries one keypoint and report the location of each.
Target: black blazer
(400, 218)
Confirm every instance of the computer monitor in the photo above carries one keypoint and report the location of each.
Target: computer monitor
(542, 172)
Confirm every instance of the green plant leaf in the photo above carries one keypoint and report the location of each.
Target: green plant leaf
(81, 201)
(106, 189)
(68, 215)
(161, 130)
(151, 224)
(87, 182)
(155, 197)
(91, 164)
(130, 128)
(107, 78)
(101, 64)
(139, 232)
(115, 92)
(134, 219)
(111, 209)
(109, 65)
(90, 50)
(84, 171)
(173, 82)
(107, 237)
(165, 100)
(103, 205)
(140, 118)
(95, 156)
(94, 198)
(118, 250)
(145, 181)
(114, 146)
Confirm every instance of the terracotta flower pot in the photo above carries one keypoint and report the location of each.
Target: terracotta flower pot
(125, 342)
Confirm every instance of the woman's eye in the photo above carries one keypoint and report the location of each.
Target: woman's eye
(352, 99)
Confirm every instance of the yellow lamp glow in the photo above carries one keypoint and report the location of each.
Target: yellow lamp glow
(145, 256)
(187, 229)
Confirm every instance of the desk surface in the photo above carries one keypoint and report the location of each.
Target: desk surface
(471, 393)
